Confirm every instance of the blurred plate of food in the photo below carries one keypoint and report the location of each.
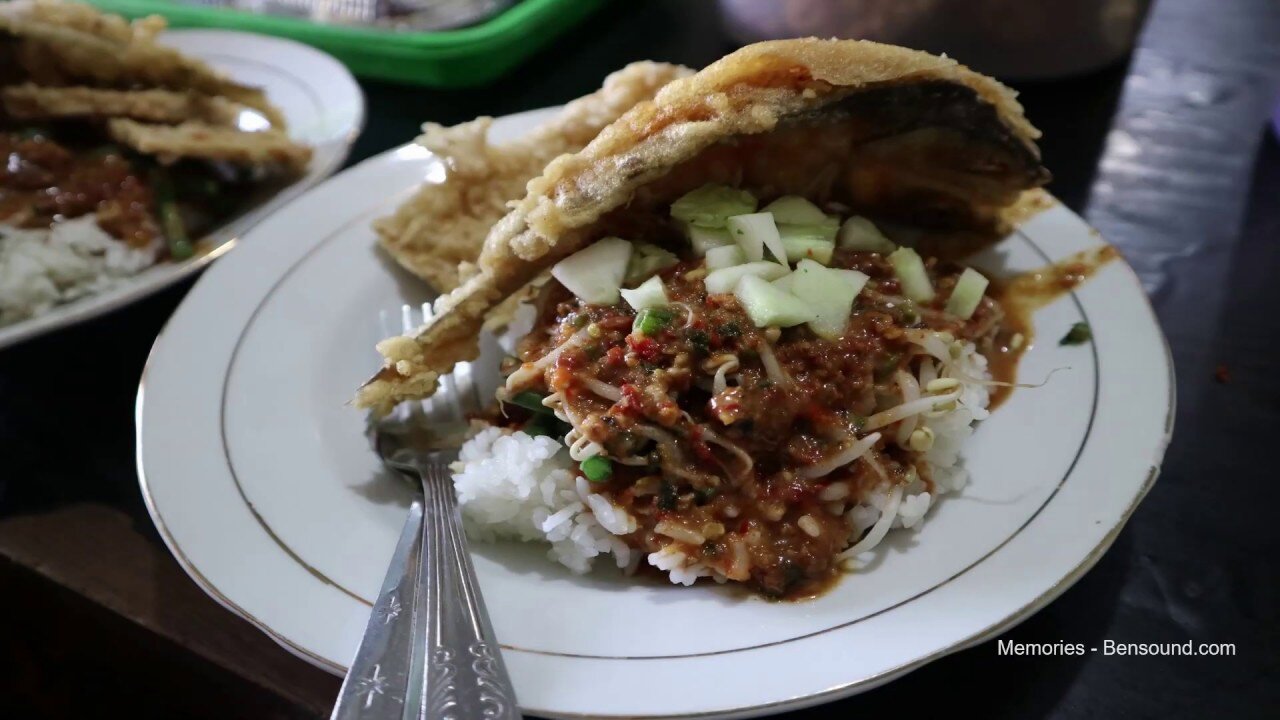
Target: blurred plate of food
(135, 155)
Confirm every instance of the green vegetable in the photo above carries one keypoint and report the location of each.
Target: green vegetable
(795, 210)
(909, 268)
(967, 294)
(596, 468)
(529, 400)
(859, 233)
(175, 231)
(1077, 335)
(650, 293)
(545, 424)
(699, 340)
(710, 205)
(651, 320)
(729, 330)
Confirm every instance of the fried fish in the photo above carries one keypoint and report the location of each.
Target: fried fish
(898, 134)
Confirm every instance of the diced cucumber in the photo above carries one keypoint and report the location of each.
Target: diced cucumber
(650, 293)
(754, 233)
(826, 233)
(723, 257)
(702, 239)
(967, 293)
(795, 210)
(595, 273)
(859, 233)
(726, 279)
(856, 279)
(646, 260)
(768, 306)
(829, 293)
(787, 283)
(814, 249)
(909, 268)
(710, 205)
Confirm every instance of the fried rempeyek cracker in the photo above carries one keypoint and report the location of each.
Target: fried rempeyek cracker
(68, 45)
(892, 132)
(443, 226)
(34, 102)
(168, 143)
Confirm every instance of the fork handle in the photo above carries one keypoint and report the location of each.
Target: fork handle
(463, 676)
(381, 671)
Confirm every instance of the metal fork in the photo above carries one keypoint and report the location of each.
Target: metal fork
(452, 667)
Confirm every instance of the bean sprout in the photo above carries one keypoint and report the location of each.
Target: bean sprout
(723, 364)
(581, 447)
(603, 389)
(908, 409)
(527, 372)
(877, 532)
(771, 366)
(910, 393)
(840, 459)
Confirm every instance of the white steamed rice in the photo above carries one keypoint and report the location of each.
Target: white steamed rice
(40, 269)
(514, 486)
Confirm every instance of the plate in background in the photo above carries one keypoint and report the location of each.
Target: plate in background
(324, 108)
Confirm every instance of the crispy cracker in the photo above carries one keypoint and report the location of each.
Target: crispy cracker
(81, 50)
(443, 226)
(199, 140)
(772, 99)
(33, 102)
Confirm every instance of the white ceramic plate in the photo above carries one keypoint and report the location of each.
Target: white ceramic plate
(325, 109)
(259, 477)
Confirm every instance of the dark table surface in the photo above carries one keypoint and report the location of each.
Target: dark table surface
(1168, 154)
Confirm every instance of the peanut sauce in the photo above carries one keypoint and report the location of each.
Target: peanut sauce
(1021, 296)
(771, 526)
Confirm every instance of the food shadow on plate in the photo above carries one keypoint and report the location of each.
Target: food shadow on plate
(409, 287)
(387, 487)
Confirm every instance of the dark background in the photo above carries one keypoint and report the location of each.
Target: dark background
(1197, 212)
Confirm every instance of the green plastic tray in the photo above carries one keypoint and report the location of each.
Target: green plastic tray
(450, 58)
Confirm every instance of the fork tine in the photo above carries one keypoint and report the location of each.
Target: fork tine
(467, 398)
(448, 407)
(388, 327)
(409, 322)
